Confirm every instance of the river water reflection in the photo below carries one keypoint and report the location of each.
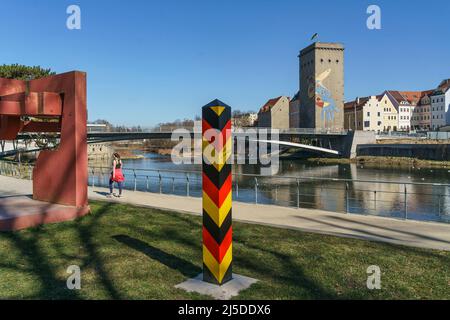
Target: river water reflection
(310, 185)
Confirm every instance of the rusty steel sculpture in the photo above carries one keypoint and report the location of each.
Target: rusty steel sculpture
(51, 104)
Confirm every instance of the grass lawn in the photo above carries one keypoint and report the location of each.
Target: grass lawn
(127, 252)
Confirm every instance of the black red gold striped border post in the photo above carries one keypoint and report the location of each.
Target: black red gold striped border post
(217, 182)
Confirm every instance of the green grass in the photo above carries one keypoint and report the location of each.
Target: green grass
(127, 252)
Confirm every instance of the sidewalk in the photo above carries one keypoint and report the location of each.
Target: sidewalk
(410, 233)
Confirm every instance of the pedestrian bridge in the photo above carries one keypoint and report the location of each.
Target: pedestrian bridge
(284, 134)
(301, 146)
(278, 142)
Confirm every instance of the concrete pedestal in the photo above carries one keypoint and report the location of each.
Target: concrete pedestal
(20, 212)
(223, 292)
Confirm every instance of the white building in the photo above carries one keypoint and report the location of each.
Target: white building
(440, 103)
(373, 114)
(404, 116)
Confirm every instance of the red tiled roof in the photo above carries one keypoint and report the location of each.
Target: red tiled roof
(397, 96)
(351, 104)
(444, 85)
(269, 104)
(412, 97)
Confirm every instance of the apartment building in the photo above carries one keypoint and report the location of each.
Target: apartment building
(421, 114)
(400, 110)
(389, 105)
(440, 104)
(373, 114)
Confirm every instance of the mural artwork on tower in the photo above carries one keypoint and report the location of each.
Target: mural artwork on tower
(322, 95)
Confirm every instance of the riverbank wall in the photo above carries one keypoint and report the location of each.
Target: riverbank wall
(353, 139)
(436, 152)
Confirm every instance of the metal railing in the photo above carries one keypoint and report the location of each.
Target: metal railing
(405, 200)
(16, 169)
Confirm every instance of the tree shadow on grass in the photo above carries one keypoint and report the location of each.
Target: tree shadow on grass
(86, 233)
(51, 286)
(184, 267)
(290, 273)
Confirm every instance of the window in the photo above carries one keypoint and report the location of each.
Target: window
(368, 114)
(366, 124)
(379, 114)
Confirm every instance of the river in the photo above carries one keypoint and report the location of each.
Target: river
(372, 190)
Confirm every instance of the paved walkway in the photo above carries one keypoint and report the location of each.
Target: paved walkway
(410, 233)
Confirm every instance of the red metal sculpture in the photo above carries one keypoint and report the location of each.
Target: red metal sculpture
(59, 176)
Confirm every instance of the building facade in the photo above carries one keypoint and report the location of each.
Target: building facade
(294, 111)
(440, 104)
(401, 110)
(390, 112)
(421, 112)
(353, 116)
(275, 113)
(373, 114)
(404, 116)
(368, 113)
(322, 86)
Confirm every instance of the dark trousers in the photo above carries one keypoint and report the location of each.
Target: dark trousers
(111, 184)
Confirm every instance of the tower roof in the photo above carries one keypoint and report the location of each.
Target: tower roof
(322, 45)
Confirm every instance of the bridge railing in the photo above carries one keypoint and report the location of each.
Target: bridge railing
(404, 200)
(311, 131)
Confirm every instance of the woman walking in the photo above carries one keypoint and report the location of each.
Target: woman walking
(116, 175)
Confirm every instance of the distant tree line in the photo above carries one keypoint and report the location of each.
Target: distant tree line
(113, 128)
(239, 118)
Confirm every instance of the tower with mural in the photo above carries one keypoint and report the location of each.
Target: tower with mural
(322, 86)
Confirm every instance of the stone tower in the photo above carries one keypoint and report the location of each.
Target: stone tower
(322, 86)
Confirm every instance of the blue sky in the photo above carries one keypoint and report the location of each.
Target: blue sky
(153, 61)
